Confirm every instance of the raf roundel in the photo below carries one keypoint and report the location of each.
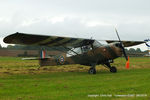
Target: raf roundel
(61, 60)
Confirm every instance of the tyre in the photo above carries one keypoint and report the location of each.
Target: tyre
(92, 71)
(113, 69)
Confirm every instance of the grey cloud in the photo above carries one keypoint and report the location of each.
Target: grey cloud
(130, 17)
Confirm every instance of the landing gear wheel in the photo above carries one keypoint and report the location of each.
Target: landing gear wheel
(92, 71)
(113, 69)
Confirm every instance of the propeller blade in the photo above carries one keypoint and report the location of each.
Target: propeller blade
(125, 55)
(118, 35)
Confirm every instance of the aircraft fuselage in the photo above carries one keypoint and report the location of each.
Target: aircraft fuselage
(98, 55)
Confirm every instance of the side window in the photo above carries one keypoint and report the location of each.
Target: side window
(86, 48)
(79, 50)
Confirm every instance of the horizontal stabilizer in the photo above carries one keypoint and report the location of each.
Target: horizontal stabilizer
(30, 58)
(34, 58)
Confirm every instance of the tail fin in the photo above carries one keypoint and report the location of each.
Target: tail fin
(43, 54)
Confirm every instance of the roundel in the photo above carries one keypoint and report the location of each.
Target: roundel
(147, 42)
(61, 59)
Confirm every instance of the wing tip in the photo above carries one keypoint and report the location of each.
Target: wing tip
(9, 38)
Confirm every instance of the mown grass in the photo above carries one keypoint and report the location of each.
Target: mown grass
(25, 82)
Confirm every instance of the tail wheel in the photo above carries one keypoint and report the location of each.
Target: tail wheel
(113, 69)
(92, 71)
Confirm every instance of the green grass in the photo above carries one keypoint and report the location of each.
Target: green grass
(44, 84)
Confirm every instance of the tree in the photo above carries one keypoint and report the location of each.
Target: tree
(126, 50)
(9, 47)
(132, 50)
(138, 50)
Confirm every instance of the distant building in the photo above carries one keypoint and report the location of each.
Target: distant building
(25, 53)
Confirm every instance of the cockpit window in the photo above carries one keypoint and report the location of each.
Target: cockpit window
(83, 49)
(79, 50)
(97, 44)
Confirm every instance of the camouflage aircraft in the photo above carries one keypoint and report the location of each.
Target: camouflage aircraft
(88, 52)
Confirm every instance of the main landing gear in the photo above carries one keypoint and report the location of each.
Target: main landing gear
(112, 69)
(92, 70)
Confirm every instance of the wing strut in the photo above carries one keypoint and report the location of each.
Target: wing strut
(71, 50)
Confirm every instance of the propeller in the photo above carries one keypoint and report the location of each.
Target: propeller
(122, 46)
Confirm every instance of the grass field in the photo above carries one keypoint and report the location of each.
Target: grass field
(21, 80)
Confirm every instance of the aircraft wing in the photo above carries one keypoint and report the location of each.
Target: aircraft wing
(127, 43)
(43, 40)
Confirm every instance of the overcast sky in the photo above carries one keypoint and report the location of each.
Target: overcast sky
(77, 18)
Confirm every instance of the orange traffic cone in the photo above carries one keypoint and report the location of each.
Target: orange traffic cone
(127, 63)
